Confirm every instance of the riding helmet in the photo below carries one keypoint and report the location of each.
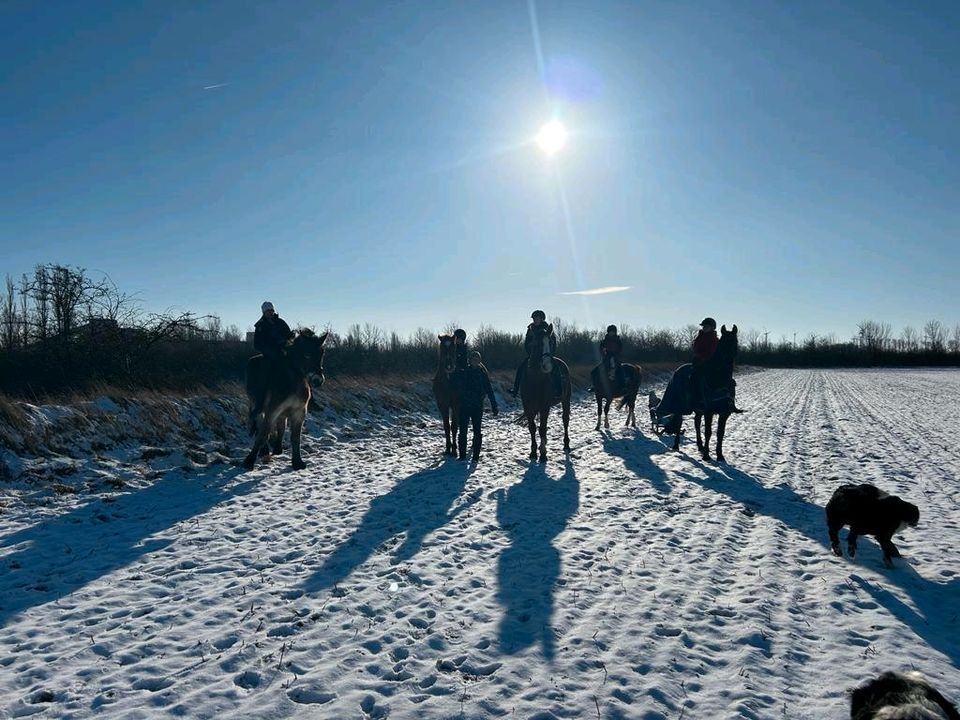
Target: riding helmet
(541, 313)
(709, 322)
(460, 333)
(612, 329)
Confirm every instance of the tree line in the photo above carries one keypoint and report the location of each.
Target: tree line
(63, 328)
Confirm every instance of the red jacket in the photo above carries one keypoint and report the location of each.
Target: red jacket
(704, 345)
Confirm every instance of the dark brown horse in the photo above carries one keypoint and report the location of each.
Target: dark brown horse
(538, 392)
(279, 391)
(719, 394)
(446, 392)
(606, 389)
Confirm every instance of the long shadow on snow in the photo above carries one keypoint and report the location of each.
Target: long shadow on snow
(637, 453)
(64, 553)
(532, 512)
(935, 617)
(415, 507)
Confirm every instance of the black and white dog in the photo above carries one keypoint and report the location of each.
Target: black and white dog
(896, 696)
(868, 510)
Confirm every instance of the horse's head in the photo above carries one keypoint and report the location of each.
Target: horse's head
(727, 346)
(308, 348)
(447, 353)
(542, 348)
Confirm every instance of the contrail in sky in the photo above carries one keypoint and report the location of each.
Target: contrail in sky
(599, 291)
(214, 87)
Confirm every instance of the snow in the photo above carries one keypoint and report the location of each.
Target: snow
(384, 580)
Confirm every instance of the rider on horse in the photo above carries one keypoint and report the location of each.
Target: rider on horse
(611, 347)
(460, 345)
(539, 323)
(271, 334)
(704, 346)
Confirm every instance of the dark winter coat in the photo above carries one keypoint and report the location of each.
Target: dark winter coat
(528, 341)
(704, 346)
(270, 336)
(461, 360)
(474, 385)
(611, 346)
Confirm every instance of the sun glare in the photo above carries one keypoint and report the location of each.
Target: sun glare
(552, 137)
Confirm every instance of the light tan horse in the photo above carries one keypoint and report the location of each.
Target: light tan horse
(279, 392)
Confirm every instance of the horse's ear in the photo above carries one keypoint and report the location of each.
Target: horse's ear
(734, 331)
(440, 338)
(323, 338)
(723, 329)
(550, 329)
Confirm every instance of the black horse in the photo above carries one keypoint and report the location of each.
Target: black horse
(710, 392)
(626, 388)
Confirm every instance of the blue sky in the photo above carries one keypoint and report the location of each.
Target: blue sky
(787, 166)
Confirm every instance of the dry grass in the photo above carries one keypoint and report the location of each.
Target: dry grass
(13, 416)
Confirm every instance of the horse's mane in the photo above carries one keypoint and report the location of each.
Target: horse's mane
(305, 332)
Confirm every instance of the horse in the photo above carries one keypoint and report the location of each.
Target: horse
(446, 392)
(605, 389)
(538, 394)
(719, 396)
(279, 391)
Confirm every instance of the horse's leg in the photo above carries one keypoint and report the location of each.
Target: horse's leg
(721, 429)
(296, 428)
(606, 412)
(599, 408)
(445, 416)
(566, 425)
(531, 424)
(707, 431)
(263, 433)
(697, 419)
(544, 414)
(454, 425)
(279, 428)
(676, 438)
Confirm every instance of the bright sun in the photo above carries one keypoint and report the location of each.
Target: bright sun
(552, 137)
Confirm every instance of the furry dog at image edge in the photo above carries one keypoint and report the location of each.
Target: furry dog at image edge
(899, 696)
(868, 510)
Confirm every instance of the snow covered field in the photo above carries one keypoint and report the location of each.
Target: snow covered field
(628, 582)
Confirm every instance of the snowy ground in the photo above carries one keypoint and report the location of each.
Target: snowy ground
(629, 582)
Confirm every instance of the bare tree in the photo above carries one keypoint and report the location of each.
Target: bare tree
(909, 337)
(955, 339)
(934, 336)
(233, 334)
(684, 337)
(71, 289)
(873, 336)
(372, 336)
(40, 292)
(24, 292)
(8, 316)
